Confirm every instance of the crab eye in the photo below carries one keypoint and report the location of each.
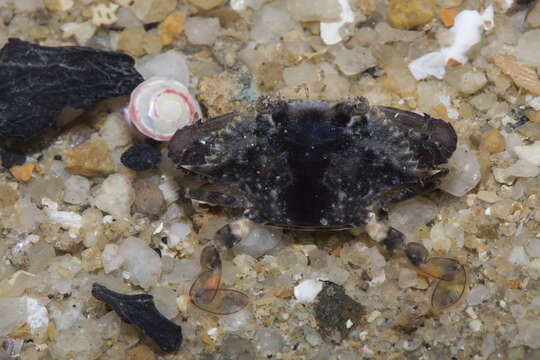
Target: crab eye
(360, 106)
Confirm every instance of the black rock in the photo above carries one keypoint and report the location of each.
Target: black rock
(11, 158)
(140, 157)
(333, 310)
(37, 82)
(139, 309)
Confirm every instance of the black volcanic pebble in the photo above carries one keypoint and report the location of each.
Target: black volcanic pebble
(139, 309)
(141, 157)
(37, 82)
(11, 158)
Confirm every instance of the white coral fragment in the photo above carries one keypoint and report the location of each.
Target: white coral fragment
(104, 15)
(468, 28)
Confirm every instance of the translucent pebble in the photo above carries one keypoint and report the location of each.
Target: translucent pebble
(260, 240)
(301, 74)
(406, 215)
(314, 10)
(143, 263)
(354, 61)
(111, 258)
(307, 290)
(533, 248)
(271, 22)
(76, 190)
(115, 196)
(464, 172)
(477, 295)
(171, 64)
(165, 301)
(518, 256)
(201, 31)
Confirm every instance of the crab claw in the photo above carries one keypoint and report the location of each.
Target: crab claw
(450, 274)
(205, 292)
(226, 302)
(449, 293)
(205, 286)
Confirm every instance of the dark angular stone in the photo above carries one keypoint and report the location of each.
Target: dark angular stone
(139, 309)
(37, 82)
(11, 158)
(140, 157)
(332, 311)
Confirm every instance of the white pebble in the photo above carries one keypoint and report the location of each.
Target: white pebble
(530, 153)
(81, 31)
(260, 240)
(115, 196)
(464, 172)
(170, 64)
(518, 256)
(143, 263)
(330, 30)
(111, 259)
(201, 31)
(476, 325)
(307, 290)
(76, 190)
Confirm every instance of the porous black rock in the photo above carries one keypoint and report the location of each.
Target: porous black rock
(140, 157)
(37, 82)
(11, 158)
(139, 309)
(336, 313)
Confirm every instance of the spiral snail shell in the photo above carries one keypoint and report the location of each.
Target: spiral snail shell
(159, 106)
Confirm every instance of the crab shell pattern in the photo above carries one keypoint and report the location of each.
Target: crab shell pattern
(316, 164)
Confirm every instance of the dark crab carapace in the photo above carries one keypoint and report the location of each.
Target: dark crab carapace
(318, 165)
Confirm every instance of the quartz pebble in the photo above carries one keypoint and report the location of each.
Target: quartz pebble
(76, 190)
(307, 290)
(314, 10)
(82, 32)
(527, 48)
(115, 132)
(115, 196)
(331, 31)
(201, 31)
(142, 263)
(260, 240)
(111, 258)
(464, 172)
(149, 11)
(354, 61)
(170, 64)
(533, 16)
(529, 153)
(271, 22)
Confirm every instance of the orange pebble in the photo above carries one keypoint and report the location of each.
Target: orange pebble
(448, 16)
(22, 172)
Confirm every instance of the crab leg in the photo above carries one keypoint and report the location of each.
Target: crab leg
(214, 197)
(451, 275)
(232, 233)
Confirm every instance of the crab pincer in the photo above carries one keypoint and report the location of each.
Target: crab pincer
(206, 293)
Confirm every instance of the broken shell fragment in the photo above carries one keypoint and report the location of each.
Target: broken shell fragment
(159, 106)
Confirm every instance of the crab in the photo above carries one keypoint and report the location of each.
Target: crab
(322, 165)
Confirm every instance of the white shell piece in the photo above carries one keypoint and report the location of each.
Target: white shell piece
(159, 106)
